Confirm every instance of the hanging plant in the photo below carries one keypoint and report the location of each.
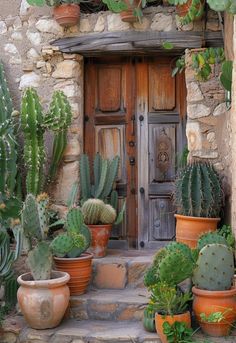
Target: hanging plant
(223, 5)
(188, 10)
(130, 10)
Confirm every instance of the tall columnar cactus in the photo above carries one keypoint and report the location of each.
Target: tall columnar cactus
(95, 212)
(8, 152)
(34, 154)
(215, 268)
(77, 238)
(198, 191)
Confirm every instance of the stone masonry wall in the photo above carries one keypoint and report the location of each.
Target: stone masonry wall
(29, 60)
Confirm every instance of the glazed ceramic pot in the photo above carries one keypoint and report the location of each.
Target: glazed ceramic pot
(43, 303)
(160, 320)
(67, 14)
(128, 15)
(208, 302)
(100, 237)
(189, 229)
(79, 269)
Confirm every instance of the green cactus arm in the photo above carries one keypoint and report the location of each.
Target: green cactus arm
(73, 196)
(182, 192)
(40, 261)
(59, 145)
(85, 177)
(10, 295)
(195, 191)
(114, 199)
(216, 191)
(97, 165)
(207, 193)
(111, 176)
(80, 245)
(11, 164)
(3, 164)
(74, 220)
(6, 107)
(61, 245)
(103, 179)
(30, 219)
(121, 214)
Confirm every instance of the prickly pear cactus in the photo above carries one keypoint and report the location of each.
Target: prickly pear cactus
(151, 276)
(175, 268)
(179, 247)
(61, 245)
(40, 261)
(108, 214)
(210, 238)
(91, 210)
(74, 220)
(31, 219)
(215, 268)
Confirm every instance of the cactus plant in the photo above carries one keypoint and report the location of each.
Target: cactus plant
(40, 261)
(151, 276)
(77, 238)
(215, 268)
(210, 238)
(96, 212)
(108, 214)
(179, 247)
(199, 191)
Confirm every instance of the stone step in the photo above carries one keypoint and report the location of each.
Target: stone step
(126, 304)
(121, 269)
(88, 331)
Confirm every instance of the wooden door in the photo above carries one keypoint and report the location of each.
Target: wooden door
(133, 109)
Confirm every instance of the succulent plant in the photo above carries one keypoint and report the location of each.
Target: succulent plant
(151, 276)
(198, 191)
(52, 3)
(96, 212)
(215, 268)
(108, 214)
(40, 261)
(77, 238)
(222, 5)
(179, 247)
(210, 238)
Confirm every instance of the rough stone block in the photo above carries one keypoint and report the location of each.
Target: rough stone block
(66, 69)
(110, 275)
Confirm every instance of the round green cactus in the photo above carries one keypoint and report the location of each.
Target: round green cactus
(108, 215)
(61, 245)
(91, 210)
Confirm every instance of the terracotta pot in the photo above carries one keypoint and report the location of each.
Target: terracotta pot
(79, 269)
(182, 10)
(160, 320)
(209, 302)
(43, 303)
(67, 14)
(189, 229)
(128, 15)
(100, 237)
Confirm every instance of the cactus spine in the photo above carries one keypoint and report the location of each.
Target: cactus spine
(108, 214)
(40, 261)
(77, 238)
(215, 268)
(95, 212)
(199, 192)
(210, 238)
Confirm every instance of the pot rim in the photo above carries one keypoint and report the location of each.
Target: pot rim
(99, 225)
(214, 294)
(190, 218)
(58, 281)
(172, 316)
(84, 256)
(66, 5)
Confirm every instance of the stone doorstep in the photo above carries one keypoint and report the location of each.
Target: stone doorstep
(121, 269)
(127, 304)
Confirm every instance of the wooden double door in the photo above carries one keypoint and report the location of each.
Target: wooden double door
(134, 108)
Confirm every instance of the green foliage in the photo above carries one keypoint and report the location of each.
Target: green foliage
(149, 319)
(223, 5)
(39, 261)
(210, 238)
(116, 6)
(167, 300)
(215, 268)
(226, 232)
(214, 317)
(178, 332)
(167, 45)
(52, 3)
(77, 238)
(198, 191)
(179, 66)
(226, 75)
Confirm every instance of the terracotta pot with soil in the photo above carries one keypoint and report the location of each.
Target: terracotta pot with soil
(79, 269)
(100, 237)
(129, 15)
(44, 302)
(208, 302)
(189, 229)
(160, 320)
(67, 14)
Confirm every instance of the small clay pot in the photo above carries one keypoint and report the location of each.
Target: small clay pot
(100, 237)
(128, 15)
(182, 10)
(79, 269)
(189, 229)
(43, 303)
(208, 302)
(160, 320)
(67, 14)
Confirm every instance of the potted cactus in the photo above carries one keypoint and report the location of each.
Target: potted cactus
(38, 293)
(70, 254)
(214, 292)
(199, 200)
(100, 200)
(65, 12)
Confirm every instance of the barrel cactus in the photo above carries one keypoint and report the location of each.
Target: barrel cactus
(215, 268)
(96, 212)
(198, 191)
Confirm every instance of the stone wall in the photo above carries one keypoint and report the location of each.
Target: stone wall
(25, 34)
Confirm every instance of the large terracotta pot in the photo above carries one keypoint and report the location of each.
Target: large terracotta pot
(79, 269)
(100, 237)
(208, 302)
(189, 229)
(67, 14)
(43, 303)
(160, 320)
(182, 10)
(128, 15)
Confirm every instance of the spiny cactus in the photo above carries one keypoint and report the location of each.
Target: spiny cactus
(40, 261)
(105, 173)
(108, 214)
(151, 276)
(91, 210)
(215, 268)
(199, 192)
(34, 154)
(77, 238)
(210, 238)
(179, 247)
